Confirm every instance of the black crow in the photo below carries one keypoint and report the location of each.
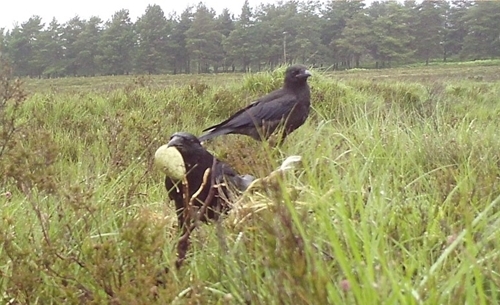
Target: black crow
(288, 107)
(184, 158)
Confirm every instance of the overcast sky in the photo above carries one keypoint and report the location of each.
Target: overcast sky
(21, 10)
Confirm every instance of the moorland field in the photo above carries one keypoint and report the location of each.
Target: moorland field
(396, 201)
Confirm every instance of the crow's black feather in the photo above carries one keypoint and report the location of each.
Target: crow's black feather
(288, 106)
(197, 160)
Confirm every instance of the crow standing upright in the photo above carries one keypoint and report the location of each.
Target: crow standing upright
(196, 160)
(287, 106)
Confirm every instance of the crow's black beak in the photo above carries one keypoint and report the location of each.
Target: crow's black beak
(175, 141)
(304, 74)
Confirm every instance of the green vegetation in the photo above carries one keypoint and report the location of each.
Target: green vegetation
(330, 34)
(396, 202)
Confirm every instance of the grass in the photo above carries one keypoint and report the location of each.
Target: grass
(479, 70)
(396, 202)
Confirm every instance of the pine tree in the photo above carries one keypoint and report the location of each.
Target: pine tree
(203, 41)
(241, 45)
(116, 45)
(152, 33)
(483, 35)
(87, 47)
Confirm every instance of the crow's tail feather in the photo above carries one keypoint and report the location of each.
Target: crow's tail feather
(212, 134)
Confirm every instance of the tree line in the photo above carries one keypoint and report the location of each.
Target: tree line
(334, 34)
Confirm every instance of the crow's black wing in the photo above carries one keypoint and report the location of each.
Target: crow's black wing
(254, 114)
(228, 178)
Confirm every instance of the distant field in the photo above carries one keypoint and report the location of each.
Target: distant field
(488, 71)
(397, 201)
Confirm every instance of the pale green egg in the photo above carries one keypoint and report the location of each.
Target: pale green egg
(170, 161)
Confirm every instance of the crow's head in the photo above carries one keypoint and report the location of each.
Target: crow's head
(296, 74)
(184, 141)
